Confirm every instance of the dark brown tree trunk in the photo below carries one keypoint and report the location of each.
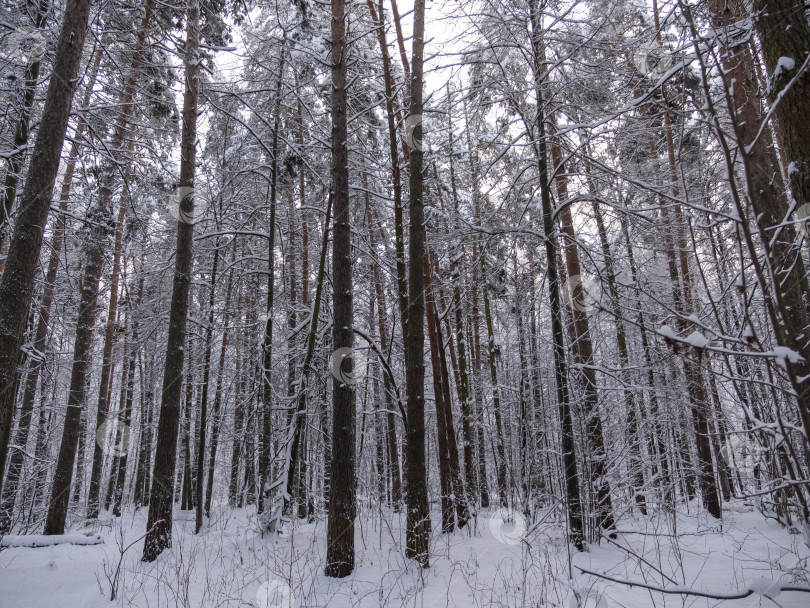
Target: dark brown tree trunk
(461, 345)
(17, 285)
(784, 33)
(342, 483)
(557, 326)
(583, 349)
(159, 523)
(462, 509)
(443, 453)
(36, 360)
(418, 517)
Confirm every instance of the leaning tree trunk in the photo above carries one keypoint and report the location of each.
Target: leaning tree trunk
(342, 490)
(159, 523)
(17, 285)
(36, 360)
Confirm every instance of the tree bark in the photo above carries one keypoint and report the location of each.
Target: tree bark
(342, 483)
(159, 523)
(17, 285)
(573, 500)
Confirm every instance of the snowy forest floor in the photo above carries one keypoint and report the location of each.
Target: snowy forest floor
(486, 564)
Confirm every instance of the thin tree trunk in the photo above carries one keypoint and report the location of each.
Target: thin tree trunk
(500, 465)
(216, 422)
(265, 456)
(209, 339)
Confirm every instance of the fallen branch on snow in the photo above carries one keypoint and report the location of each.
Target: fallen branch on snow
(34, 541)
(763, 587)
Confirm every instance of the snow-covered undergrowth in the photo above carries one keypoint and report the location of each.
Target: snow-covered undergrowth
(488, 564)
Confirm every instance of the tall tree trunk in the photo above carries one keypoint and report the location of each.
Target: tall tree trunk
(418, 517)
(209, 339)
(159, 523)
(299, 415)
(392, 449)
(37, 359)
(265, 456)
(216, 422)
(110, 336)
(784, 32)
(443, 453)
(560, 365)
(500, 465)
(101, 216)
(635, 464)
(17, 285)
(399, 231)
(342, 483)
(461, 341)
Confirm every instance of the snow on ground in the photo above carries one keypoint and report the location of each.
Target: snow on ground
(492, 563)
